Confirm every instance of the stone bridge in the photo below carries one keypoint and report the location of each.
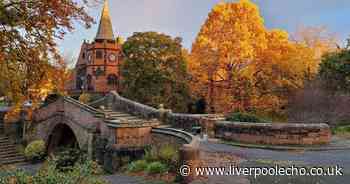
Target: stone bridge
(115, 130)
(106, 134)
(66, 121)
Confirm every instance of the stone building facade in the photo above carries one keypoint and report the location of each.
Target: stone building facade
(97, 68)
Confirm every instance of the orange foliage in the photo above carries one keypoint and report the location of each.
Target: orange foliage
(238, 64)
(30, 65)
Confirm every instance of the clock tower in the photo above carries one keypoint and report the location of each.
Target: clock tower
(97, 69)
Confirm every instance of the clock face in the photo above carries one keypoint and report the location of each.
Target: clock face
(112, 57)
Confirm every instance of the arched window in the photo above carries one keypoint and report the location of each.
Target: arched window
(89, 82)
(112, 80)
(79, 83)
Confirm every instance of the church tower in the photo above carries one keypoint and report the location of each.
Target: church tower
(97, 69)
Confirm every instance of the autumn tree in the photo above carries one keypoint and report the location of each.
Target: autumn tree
(28, 50)
(239, 65)
(280, 71)
(325, 98)
(154, 71)
(231, 37)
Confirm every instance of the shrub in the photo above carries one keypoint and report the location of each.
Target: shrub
(151, 154)
(85, 98)
(137, 166)
(35, 150)
(156, 168)
(67, 157)
(168, 154)
(244, 117)
(341, 130)
(15, 176)
(81, 173)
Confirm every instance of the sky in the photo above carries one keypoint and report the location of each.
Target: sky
(183, 18)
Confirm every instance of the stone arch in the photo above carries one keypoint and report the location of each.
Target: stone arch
(81, 134)
(62, 135)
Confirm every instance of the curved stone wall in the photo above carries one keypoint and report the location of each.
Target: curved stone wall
(178, 138)
(274, 133)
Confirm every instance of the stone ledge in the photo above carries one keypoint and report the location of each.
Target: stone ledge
(284, 148)
(274, 134)
(188, 138)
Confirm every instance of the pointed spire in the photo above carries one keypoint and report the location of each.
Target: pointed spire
(105, 29)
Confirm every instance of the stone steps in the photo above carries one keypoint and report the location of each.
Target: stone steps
(123, 117)
(12, 161)
(9, 153)
(112, 115)
(1, 128)
(4, 140)
(117, 114)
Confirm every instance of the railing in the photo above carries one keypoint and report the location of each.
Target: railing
(97, 102)
(84, 106)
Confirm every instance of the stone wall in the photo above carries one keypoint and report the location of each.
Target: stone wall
(119, 103)
(133, 136)
(160, 138)
(274, 134)
(113, 157)
(176, 120)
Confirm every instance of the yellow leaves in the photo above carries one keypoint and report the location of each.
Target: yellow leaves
(246, 65)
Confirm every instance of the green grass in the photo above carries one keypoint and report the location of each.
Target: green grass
(342, 131)
(137, 166)
(156, 168)
(244, 117)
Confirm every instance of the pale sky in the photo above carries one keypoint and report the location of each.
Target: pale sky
(184, 18)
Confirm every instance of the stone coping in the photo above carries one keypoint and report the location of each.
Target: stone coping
(279, 134)
(187, 137)
(100, 100)
(83, 106)
(276, 125)
(285, 148)
(133, 103)
(130, 123)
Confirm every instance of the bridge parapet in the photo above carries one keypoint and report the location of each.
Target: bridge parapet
(177, 120)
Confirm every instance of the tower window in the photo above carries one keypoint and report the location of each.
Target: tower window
(112, 80)
(89, 82)
(99, 54)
